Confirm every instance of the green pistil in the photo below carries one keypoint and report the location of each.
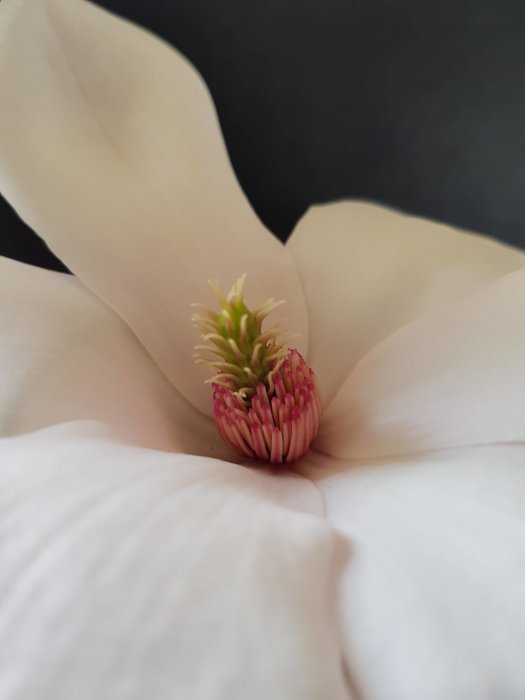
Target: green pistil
(247, 355)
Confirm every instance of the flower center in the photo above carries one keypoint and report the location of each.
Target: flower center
(266, 399)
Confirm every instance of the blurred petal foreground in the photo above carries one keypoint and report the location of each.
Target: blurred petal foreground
(141, 556)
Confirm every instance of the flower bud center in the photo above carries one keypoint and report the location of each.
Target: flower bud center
(266, 399)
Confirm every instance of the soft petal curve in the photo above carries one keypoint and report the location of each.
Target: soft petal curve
(65, 356)
(433, 595)
(111, 150)
(129, 573)
(454, 377)
(368, 270)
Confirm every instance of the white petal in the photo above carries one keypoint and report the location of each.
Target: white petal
(367, 270)
(433, 594)
(454, 377)
(111, 150)
(65, 356)
(128, 573)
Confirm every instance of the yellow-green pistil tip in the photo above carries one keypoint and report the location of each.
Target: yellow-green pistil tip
(238, 351)
(266, 399)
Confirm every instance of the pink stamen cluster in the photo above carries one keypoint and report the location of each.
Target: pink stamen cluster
(279, 427)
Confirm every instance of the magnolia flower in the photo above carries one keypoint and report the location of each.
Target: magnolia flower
(141, 557)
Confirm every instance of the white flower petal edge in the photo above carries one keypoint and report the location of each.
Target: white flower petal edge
(454, 377)
(367, 270)
(65, 356)
(140, 574)
(112, 152)
(433, 594)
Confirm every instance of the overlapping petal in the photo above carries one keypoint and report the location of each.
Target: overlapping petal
(65, 356)
(433, 594)
(139, 574)
(112, 152)
(454, 377)
(367, 270)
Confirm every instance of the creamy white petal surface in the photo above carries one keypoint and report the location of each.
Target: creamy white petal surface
(433, 595)
(65, 356)
(130, 573)
(111, 151)
(367, 270)
(133, 573)
(454, 377)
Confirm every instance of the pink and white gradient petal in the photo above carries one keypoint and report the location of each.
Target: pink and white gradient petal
(432, 597)
(135, 573)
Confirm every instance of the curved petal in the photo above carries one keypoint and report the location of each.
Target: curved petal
(65, 356)
(110, 148)
(140, 574)
(452, 378)
(433, 596)
(367, 270)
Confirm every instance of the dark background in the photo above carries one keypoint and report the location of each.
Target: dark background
(417, 104)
